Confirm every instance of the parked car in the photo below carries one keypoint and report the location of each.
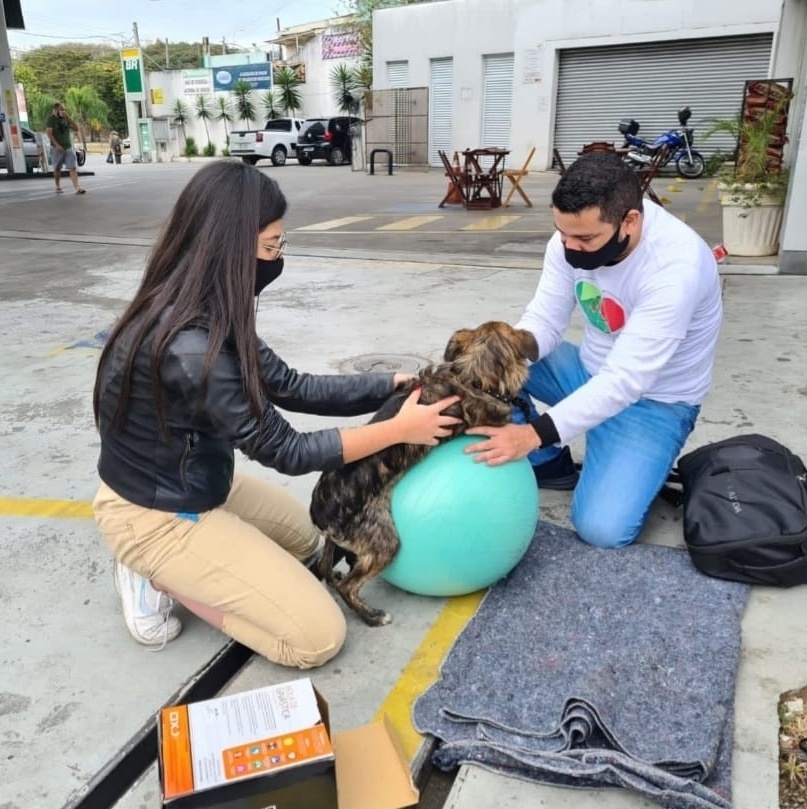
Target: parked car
(325, 139)
(31, 149)
(276, 141)
(127, 142)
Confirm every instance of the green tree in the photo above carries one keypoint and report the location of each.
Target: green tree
(89, 112)
(104, 75)
(181, 115)
(40, 108)
(288, 83)
(270, 105)
(343, 81)
(224, 113)
(244, 105)
(204, 113)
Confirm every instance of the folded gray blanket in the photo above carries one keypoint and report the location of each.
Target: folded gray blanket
(592, 668)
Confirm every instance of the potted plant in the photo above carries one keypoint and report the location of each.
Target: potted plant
(752, 194)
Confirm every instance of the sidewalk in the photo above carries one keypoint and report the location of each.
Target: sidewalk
(75, 689)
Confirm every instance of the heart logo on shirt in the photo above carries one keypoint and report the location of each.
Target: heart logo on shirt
(601, 310)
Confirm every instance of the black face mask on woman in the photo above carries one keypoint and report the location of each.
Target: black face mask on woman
(592, 259)
(266, 271)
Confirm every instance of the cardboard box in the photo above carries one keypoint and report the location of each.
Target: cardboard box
(271, 748)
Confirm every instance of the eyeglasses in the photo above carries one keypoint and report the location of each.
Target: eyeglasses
(278, 249)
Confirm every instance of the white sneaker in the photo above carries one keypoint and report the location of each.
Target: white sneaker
(146, 610)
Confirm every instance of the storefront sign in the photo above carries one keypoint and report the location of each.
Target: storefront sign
(132, 65)
(341, 46)
(197, 82)
(257, 75)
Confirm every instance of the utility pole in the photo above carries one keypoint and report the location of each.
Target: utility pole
(167, 57)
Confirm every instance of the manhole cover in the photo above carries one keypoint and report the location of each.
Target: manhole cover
(381, 363)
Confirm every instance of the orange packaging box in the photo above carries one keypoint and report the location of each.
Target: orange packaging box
(271, 746)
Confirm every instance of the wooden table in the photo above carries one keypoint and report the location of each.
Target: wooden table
(484, 183)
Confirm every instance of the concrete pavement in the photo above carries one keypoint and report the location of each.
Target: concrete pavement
(74, 688)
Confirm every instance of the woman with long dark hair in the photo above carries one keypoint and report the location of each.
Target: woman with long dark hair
(182, 382)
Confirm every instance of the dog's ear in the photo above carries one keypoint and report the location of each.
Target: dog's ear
(529, 346)
(457, 344)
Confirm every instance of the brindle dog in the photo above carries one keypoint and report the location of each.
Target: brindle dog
(487, 367)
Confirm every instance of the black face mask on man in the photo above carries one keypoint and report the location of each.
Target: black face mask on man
(266, 271)
(592, 259)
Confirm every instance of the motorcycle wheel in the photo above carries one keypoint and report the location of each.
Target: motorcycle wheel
(691, 169)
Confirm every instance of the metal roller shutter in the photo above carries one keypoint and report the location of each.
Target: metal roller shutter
(650, 82)
(497, 100)
(441, 93)
(397, 74)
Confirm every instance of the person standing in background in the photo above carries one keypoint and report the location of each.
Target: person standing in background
(115, 146)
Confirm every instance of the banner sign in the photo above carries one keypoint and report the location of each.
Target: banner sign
(132, 65)
(197, 82)
(258, 75)
(341, 46)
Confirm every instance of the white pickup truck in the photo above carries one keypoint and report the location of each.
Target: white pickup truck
(276, 142)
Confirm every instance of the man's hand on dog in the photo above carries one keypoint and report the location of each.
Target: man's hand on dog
(508, 443)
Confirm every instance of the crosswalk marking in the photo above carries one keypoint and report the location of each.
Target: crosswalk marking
(410, 223)
(492, 222)
(336, 223)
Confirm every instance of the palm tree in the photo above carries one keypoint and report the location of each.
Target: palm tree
(181, 115)
(87, 109)
(289, 96)
(269, 102)
(343, 82)
(244, 106)
(204, 114)
(40, 108)
(224, 113)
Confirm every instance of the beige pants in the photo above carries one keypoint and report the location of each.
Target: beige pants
(241, 559)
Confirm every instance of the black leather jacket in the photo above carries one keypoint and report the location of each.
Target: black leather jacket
(192, 469)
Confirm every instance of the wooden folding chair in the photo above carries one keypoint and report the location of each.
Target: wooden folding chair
(652, 170)
(456, 193)
(557, 162)
(516, 176)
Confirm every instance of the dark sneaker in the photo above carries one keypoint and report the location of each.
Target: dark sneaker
(559, 474)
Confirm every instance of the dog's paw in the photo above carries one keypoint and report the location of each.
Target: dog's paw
(373, 617)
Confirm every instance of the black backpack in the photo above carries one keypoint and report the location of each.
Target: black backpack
(745, 510)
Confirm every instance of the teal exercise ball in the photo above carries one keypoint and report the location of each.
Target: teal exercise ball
(462, 524)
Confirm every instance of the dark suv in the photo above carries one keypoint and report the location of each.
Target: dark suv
(325, 139)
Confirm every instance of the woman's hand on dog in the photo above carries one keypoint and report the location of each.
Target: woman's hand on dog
(503, 444)
(414, 423)
(399, 380)
(425, 424)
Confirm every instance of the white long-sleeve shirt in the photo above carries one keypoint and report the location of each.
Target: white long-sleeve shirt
(651, 322)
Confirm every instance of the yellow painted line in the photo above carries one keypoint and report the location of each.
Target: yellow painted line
(423, 668)
(335, 223)
(35, 507)
(492, 222)
(706, 199)
(410, 223)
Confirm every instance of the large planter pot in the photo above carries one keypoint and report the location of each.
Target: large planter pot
(751, 224)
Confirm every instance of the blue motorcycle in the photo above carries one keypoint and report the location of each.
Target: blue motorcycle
(688, 162)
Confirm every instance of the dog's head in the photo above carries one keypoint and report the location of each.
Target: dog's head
(492, 357)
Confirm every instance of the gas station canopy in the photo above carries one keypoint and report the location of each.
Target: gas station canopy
(13, 13)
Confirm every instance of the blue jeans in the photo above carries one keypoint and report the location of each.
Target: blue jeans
(628, 456)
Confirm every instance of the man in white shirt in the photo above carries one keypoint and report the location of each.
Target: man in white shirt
(649, 291)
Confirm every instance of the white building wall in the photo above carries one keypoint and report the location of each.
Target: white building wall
(317, 92)
(535, 31)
